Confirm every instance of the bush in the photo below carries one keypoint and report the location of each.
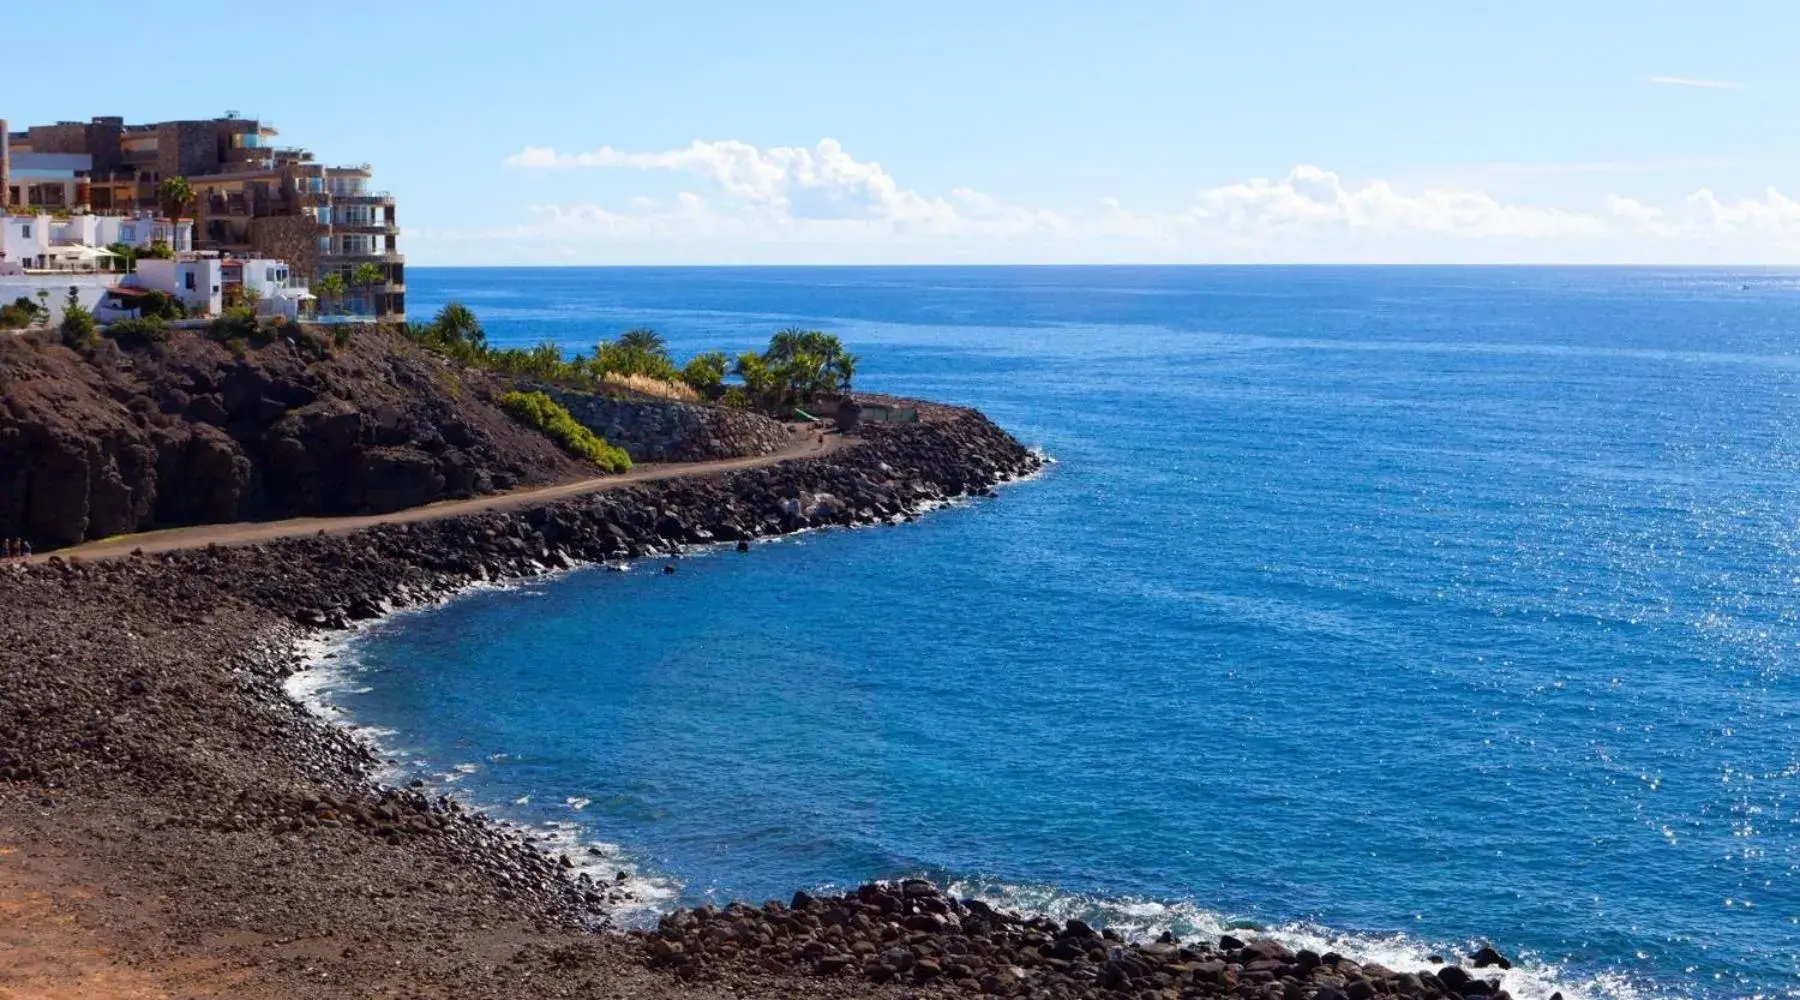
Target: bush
(139, 332)
(238, 323)
(21, 314)
(705, 373)
(160, 305)
(79, 329)
(542, 413)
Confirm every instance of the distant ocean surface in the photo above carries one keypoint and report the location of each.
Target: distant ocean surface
(1404, 608)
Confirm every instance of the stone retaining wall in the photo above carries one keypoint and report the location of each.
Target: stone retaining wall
(657, 431)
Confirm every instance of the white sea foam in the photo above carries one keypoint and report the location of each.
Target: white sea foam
(333, 669)
(1145, 920)
(646, 896)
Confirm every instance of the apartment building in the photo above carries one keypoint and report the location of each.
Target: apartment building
(78, 242)
(252, 197)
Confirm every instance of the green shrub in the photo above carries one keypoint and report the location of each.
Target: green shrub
(238, 323)
(139, 332)
(798, 366)
(20, 314)
(80, 329)
(539, 411)
(705, 373)
(161, 305)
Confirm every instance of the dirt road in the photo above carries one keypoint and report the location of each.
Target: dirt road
(806, 444)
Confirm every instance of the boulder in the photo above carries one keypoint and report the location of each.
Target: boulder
(1488, 957)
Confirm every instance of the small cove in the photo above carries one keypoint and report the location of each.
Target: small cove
(1417, 645)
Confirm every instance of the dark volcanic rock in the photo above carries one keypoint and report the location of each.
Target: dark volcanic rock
(1488, 957)
(660, 431)
(876, 933)
(189, 432)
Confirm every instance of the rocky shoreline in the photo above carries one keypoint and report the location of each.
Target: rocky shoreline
(171, 806)
(160, 792)
(911, 932)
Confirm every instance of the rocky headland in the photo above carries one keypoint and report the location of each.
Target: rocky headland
(172, 824)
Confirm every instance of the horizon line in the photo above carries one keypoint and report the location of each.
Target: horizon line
(1145, 264)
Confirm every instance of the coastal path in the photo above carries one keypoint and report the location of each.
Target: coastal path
(807, 444)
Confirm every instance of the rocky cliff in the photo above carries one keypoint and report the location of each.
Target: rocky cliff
(654, 431)
(118, 440)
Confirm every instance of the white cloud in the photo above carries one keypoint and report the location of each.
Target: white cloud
(820, 204)
(1687, 81)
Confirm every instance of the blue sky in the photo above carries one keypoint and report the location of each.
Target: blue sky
(553, 132)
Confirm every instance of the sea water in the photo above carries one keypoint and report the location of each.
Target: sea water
(1399, 609)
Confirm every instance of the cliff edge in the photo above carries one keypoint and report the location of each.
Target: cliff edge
(119, 439)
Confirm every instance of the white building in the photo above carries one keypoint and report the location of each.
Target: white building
(79, 242)
(51, 291)
(278, 291)
(198, 280)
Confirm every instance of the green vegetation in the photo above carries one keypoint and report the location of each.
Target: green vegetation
(239, 323)
(21, 314)
(79, 328)
(541, 412)
(331, 289)
(175, 195)
(797, 366)
(139, 332)
(161, 305)
(705, 373)
(129, 255)
(367, 274)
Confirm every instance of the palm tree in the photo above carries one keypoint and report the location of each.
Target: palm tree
(175, 194)
(843, 369)
(367, 274)
(331, 288)
(759, 383)
(643, 339)
(456, 324)
(815, 360)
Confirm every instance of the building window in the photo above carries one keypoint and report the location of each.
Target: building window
(190, 280)
(25, 232)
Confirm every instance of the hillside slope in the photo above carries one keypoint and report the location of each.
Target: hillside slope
(120, 440)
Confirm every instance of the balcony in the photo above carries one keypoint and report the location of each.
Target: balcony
(354, 254)
(363, 198)
(248, 154)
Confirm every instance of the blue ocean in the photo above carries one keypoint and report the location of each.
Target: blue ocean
(1404, 609)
